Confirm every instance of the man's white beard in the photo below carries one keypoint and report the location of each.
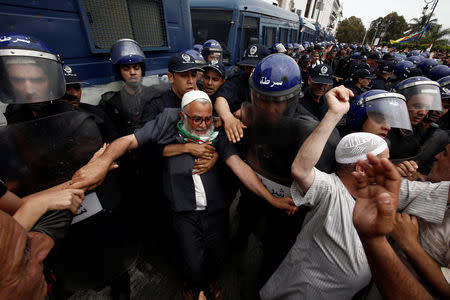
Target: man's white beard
(208, 132)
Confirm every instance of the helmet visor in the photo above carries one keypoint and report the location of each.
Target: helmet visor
(423, 97)
(30, 79)
(126, 51)
(389, 112)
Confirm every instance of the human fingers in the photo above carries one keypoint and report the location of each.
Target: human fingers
(402, 170)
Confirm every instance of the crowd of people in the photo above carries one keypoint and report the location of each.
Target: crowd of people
(340, 155)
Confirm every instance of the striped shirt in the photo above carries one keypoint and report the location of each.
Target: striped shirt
(327, 260)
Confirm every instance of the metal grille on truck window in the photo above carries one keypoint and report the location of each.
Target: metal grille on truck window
(141, 20)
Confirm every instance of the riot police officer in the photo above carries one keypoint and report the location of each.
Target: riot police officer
(125, 107)
(277, 126)
(423, 144)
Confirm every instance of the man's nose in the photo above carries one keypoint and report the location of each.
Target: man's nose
(28, 87)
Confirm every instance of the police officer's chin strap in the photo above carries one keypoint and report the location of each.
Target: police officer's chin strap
(188, 137)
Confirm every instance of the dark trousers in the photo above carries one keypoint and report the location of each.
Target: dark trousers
(203, 240)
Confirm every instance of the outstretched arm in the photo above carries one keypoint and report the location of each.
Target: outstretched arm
(94, 172)
(309, 154)
(373, 217)
(248, 177)
(233, 126)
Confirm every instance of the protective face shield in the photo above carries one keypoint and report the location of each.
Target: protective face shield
(212, 50)
(420, 93)
(383, 108)
(29, 71)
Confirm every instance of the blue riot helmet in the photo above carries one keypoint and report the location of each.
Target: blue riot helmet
(296, 46)
(305, 44)
(289, 46)
(421, 93)
(30, 72)
(444, 82)
(127, 52)
(198, 48)
(413, 53)
(383, 108)
(438, 72)
(275, 87)
(398, 59)
(199, 60)
(426, 65)
(278, 48)
(356, 55)
(415, 59)
(403, 69)
(212, 50)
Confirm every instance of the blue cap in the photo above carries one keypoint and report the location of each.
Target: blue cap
(215, 65)
(322, 74)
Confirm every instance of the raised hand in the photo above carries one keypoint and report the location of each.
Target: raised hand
(378, 186)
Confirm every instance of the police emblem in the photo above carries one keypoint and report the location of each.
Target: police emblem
(214, 62)
(253, 50)
(324, 70)
(185, 57)
(67, 69)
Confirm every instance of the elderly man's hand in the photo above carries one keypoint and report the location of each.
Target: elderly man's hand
(203, 165)
(378, 186)
(338, 100)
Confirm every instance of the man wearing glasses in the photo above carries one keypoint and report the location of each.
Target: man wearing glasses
(199, 208)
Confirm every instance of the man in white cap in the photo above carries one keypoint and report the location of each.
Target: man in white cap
(200, 212)
(327, 260)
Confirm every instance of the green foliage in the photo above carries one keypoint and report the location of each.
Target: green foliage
(390, 27)
(350, 30)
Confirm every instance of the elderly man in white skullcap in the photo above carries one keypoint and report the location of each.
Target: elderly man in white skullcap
(327, 260)
(200, 212)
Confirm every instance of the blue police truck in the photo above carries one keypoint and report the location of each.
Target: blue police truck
(82, 31)
(238, 23)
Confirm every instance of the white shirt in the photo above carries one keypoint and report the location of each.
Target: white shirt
(327, 260)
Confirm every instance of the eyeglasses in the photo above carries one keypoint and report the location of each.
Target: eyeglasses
(198, 120)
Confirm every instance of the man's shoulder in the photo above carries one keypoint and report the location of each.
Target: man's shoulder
(109, 95)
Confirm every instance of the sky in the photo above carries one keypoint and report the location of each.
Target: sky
(368, 11)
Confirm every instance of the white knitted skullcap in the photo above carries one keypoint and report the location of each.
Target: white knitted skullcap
(192, 96)
(355, 146)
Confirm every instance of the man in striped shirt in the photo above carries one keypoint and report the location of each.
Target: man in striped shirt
(327, 259)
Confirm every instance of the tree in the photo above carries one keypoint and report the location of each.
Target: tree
(434, 32)
(350, 30)
(417, 24)
(436, 35)
(390, 27)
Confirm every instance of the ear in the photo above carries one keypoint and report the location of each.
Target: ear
(309, 80)
(181, 115)
(170, 76)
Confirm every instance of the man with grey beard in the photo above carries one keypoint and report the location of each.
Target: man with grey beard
(199, 209)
